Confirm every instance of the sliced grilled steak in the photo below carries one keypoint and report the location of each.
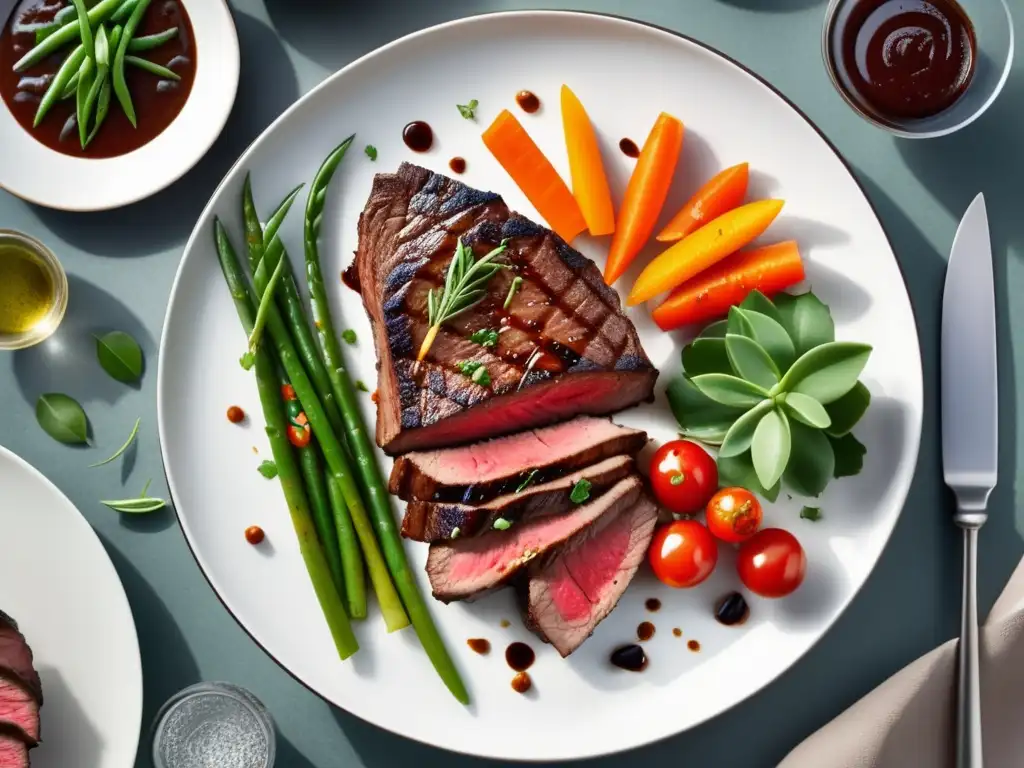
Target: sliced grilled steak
(16, 655)
(13, 750)
(569, 592)
(438, 521)
(19, 710)
(468, 568)
(476, 473)
(564, 347)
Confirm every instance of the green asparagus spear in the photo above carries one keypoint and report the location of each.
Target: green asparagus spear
(352, 558)
(323, 518)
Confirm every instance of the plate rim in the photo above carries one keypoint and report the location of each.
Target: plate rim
(200, 149)
(913, 447)
(91, 534)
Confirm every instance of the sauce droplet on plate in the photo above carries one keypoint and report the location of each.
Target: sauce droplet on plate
(630, 658)
(457, 164)
(693, 645)
(254, 534)
(645, 631)
(235, 414)
(521, 683)
(629, 148)
(479, 645)
(418, 136)
(520, 656)
(677, 632)
(528, 101)
(653, 604)
(732, 609)
(505, 623)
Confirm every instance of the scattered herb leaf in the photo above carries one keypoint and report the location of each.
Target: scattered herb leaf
(268, 469)
(512, 290)
(62, 418)
(123, 448)
(811, 513)
(468, 111)
(456, 531)
(360, 386)
(501, 524)
(481, 377)
(485, 337)
(371, 151)
(349, 336)
(145, 487)
(247, 360)
(139, 506)
(580, 491)
(120, 356)
(677, 479)
(526, 481)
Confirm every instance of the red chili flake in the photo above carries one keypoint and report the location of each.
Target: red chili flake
(288, 392)
(254, 534)
(375, 396)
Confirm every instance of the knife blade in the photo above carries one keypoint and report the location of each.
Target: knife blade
(970, 418)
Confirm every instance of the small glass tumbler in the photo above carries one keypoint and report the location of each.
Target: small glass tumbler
(18, 245)
(213, 724)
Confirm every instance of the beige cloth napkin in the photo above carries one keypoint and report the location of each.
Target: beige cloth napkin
(909, 720)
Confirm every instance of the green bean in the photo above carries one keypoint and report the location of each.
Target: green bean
(319, 502)
(287, 467)
(277, 219)
(150, 42)
(371, 480)
(60, 81)
(124, 11)
(120, 85)
(66, 34)
(266, 302)
(102, 108)
(64, 15)
(85, 28)
(70, 88)
(152, 68)
(351, 557)
(87, 79)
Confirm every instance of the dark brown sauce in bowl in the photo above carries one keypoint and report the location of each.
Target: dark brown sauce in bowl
(528, 101)
(904, 59)
(157, 101)
(629, 148)
(418, 136)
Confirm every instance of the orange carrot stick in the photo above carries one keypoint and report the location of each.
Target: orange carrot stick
(709, 295)
(645, 194)
(589, 183)
(512, 146)
(724, 192)
(709, 244)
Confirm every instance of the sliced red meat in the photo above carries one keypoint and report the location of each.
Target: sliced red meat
(438, 521)
(479, 472)
(16, 655)
(19, 710)
(563, 345)
(569, 592)
(467, 568)
(13, 750)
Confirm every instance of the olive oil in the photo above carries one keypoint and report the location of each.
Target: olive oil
(26, 289)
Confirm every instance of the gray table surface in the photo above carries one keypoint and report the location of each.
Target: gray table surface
(121, 263)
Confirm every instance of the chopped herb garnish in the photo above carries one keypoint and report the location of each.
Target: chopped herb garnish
(468, 111)
(349, 336)
(677, 479)
(481, 377)
(360, 386)
(268, 469)
(501, 524)
(526, 481)
(580, 491)
(455, 532)
(811, 513)
(468, 367)
(512, 290)
(485, 337)
(371, 151)
(123, 448)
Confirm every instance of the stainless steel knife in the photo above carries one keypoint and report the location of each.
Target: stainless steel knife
(970, 430)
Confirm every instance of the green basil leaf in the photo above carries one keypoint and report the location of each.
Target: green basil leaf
(62, 418)
(811, 462)
(268, 469)
(729, 390)
(739, 471)
(772, 337)
(750, 361)
(848, 410)
(699, 417)
(120, 356)
(807, 319)
(849, 455)
(581, 491)
(706, 356)
(758, 302)
(737, 440)
(827, 372)
(716, 330)
(806, 409)
(770, 447)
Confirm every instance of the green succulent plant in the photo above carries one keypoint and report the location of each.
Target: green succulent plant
(779, 396)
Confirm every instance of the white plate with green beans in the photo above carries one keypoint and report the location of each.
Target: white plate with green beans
(94, 91)
(223, 342)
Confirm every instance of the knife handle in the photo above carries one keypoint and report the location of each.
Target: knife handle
(968, 689)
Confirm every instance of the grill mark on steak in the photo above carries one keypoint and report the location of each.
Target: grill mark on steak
(563, 323)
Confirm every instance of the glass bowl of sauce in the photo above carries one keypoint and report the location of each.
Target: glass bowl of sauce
(918, 68)
(33, 291)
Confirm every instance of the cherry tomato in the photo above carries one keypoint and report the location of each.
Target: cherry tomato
(683, 553)
(683, 477)
(734, 514)
(771, 563)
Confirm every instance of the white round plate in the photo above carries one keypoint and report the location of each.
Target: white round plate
(57, 582)
(33, 171)
(625, 73)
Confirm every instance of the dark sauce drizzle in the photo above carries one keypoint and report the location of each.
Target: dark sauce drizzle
(629, 148)
(732, 609)
(457, 164)
(418, 136)
(479, 645)
(693, 645)
(528, 101)
(522, 682)
(630, 658)
(645, 631)
(520, 656)
(653, 604)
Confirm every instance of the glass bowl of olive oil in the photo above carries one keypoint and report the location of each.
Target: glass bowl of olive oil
(33, 291)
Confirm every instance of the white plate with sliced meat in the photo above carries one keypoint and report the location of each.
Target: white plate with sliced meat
(559, 512)
(70, 671)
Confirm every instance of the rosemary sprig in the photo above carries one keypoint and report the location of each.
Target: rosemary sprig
(465, 286)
